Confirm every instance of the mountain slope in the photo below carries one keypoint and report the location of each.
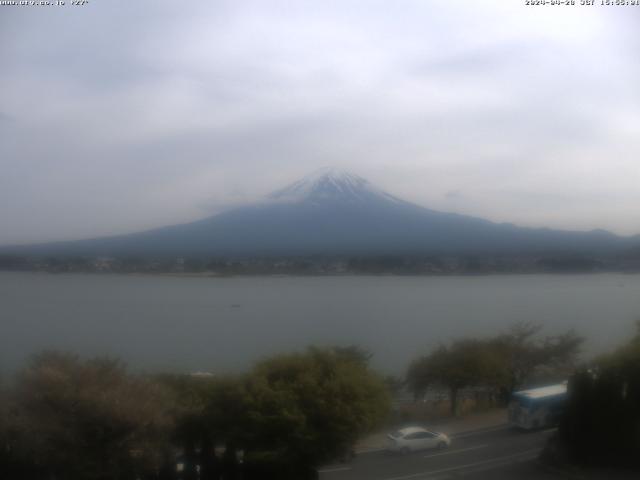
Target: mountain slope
(335, 212)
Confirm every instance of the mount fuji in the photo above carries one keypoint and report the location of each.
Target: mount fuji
(334, 212)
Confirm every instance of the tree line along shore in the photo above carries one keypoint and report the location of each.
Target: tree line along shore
(468, 264)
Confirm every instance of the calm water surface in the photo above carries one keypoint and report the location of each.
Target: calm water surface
(225, 324)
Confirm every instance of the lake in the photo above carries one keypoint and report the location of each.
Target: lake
(225, 324)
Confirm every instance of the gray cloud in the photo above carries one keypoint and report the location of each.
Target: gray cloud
(121, 116)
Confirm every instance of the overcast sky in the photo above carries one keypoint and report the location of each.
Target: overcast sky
(124, 115)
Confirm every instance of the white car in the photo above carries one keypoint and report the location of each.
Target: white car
(410, 439)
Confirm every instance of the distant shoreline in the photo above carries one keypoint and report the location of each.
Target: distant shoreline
(214, 275)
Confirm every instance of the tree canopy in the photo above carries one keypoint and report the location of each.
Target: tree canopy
(313, 406)
(90, 419)
(604, 403)
(502, 363)
(76, 419)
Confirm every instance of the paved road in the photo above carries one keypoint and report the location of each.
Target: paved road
(497, 453)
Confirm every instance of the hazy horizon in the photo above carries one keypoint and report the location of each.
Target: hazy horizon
(120, 117)
(267, 199)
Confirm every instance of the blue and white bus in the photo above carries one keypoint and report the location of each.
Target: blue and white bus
(537, 407)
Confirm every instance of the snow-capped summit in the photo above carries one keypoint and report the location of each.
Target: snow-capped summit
(330, 184)
(334, 212)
